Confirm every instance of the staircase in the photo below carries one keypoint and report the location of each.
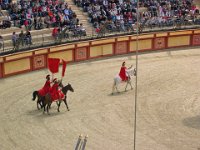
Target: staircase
(82, 16)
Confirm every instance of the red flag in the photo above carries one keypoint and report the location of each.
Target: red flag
(63, 68)
(53, 64)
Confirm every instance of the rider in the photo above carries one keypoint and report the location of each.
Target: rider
(43, 91)
(55, 92)
(123, 75)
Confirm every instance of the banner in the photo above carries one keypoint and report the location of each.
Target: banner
(53, 64)
(64, 68)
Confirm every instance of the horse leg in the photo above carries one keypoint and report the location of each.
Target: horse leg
(126, 85)
(38, 104)
(129, 82)
(130, 85)
(58, 104)
(50, 105)
(113, 88)
(117, 89)
(65, 101)
(44, 105)
(48, 109)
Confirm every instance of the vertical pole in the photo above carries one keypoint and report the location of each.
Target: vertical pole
(42, 39)
(136, 78)
(78, 142)
(84, 142)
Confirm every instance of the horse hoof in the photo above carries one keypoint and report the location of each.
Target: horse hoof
(112, 93)
(131, 88)
(68, 109)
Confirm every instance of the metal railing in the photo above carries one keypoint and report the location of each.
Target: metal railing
(44, 40)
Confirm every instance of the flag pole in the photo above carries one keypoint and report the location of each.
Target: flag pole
(136, 77)
(52, 76)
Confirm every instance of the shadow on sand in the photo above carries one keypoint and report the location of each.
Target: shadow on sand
(192, 122)
(119, 93)
(39, 113)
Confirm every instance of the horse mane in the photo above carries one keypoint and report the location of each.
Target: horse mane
(65, 89)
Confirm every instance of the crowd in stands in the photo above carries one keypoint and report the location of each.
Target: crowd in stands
(123, 13)
(114, 15)
(40, 13)
(22, 39)
(117, 13)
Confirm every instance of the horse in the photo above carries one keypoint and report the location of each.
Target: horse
(40, 97)
(47, 101)
(117, 80)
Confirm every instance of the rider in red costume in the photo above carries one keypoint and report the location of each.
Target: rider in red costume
(43, 91)
(123, 75)
(56, 94)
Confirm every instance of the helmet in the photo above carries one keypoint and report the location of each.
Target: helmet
(47, 76)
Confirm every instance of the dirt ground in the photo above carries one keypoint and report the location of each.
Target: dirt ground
(168, 106)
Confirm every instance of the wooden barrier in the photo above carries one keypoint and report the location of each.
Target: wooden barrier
(37, 59)
(1, 71)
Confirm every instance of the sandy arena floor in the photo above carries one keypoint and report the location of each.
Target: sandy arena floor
(168, 106)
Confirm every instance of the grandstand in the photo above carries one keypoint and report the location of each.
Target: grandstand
(99, 19)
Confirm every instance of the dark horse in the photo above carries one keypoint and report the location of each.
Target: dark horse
(47, 101)
(39, 97)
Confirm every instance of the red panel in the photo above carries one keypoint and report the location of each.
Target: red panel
(39, 62)
(196, 40)
(1, 71)
(81, 53)
(159, 43)
(121, 47)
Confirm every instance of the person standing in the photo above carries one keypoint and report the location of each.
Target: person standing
(28, 38)
(21, 37)
(1, 42)
(14, 40)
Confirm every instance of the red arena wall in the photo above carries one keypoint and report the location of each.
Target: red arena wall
(37, 59)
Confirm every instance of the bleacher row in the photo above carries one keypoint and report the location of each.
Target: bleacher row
(51, 20)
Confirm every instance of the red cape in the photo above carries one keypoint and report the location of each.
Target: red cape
(122, 73)
(55, 93)
(43, 91)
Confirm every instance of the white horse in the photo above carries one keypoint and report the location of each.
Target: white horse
(117, 79)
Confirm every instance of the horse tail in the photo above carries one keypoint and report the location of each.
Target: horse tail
(35, 93)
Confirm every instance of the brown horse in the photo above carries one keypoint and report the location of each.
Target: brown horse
(47, 101)
(40, 97)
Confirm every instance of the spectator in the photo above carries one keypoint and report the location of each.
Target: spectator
(55, 33)
(28, 38)
(14, 40)
(21, 37)
(1, 42)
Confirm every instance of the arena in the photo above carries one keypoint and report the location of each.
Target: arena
(167, 106)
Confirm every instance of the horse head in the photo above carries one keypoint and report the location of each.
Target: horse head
(66, 88)
(70, 87)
